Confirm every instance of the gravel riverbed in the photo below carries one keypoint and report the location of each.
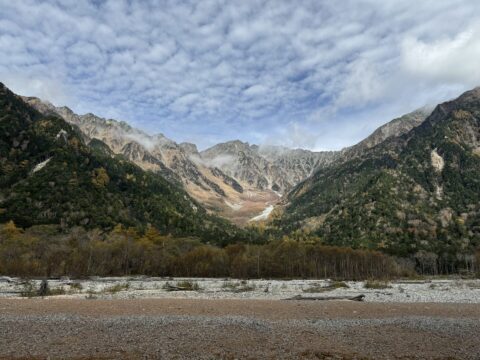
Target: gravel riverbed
(236, 329)
(138, 318)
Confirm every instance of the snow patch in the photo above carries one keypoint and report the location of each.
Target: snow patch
(264, 215)
(41, 165)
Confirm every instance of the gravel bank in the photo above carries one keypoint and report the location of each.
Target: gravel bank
(436, 290)
(228, 329)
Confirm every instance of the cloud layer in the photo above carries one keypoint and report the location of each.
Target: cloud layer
(317, 74)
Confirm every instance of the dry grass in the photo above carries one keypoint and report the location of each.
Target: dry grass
(116, 288)
(331, 286)
(377, 284)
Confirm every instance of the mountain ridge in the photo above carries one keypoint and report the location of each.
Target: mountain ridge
(49, 175)
(415, 193)
(207, 180)
(234, 179)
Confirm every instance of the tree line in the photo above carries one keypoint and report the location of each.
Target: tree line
(45, 251)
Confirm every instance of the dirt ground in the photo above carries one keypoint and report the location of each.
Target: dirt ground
(236, 329)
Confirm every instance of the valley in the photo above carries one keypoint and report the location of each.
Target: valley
(410, 189)
(233, 179)
(239, 180)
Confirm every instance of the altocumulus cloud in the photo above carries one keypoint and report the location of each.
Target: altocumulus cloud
(317, 74)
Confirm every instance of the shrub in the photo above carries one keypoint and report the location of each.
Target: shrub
(376, 284)
(117, 288)
(188, 285)
(28, 289)
(76, 286)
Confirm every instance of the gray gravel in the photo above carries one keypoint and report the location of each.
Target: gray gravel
(207, 337)
(434, 290)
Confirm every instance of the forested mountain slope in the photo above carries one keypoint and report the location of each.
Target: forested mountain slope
(416, 192)
(48, 175)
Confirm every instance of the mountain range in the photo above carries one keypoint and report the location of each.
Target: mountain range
(51, 172)
(233, 179)
(412, 186)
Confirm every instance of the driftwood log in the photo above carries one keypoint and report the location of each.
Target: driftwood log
(353, 298)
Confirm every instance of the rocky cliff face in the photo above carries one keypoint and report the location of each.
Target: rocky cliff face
(266, 167)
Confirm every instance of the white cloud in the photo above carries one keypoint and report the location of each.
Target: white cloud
(217, 70)
(256, 90)
(44, 88)
(218, 161)
(448, 60)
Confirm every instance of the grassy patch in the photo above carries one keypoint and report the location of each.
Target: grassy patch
(338, 285)
(56, 291)
(76, 286)
(116, 288)
(30, 290)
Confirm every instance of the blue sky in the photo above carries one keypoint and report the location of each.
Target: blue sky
(313, 74)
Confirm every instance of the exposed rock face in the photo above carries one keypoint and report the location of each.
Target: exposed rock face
(266, 167)
(437, 161)
(189, 148)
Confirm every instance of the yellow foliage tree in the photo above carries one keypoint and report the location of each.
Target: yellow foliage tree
(100, 177)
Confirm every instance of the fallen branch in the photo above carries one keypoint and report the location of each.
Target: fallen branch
(353, 298)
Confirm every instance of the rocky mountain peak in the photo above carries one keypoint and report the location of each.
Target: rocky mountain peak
(189, 148)
(394, 128)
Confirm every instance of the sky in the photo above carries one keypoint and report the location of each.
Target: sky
(315, 74)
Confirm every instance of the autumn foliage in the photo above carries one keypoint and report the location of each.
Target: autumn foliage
(45, 251)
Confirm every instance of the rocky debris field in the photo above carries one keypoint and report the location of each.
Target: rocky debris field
(54, 328)
(403, 291)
